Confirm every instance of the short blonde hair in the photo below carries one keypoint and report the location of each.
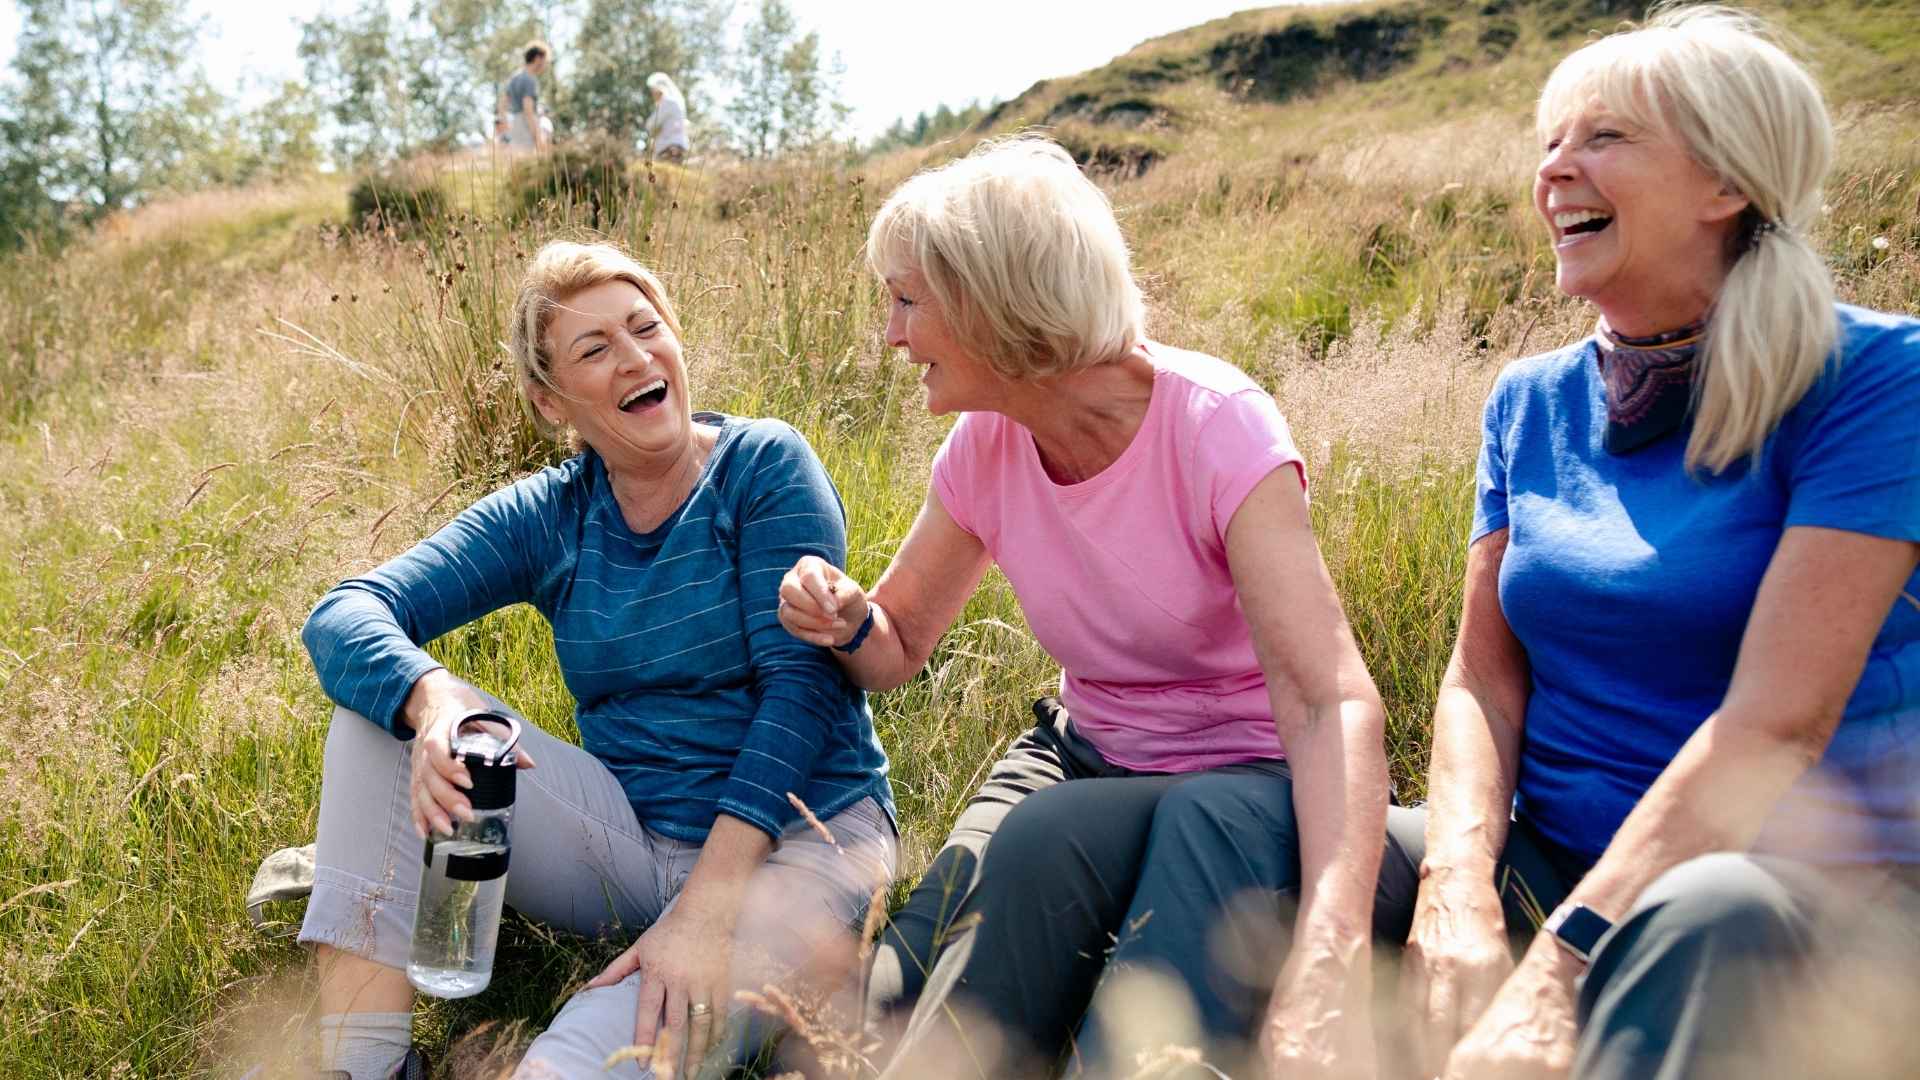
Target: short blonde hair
(1021, 252)
(664, 83)
(1713, 78)
(560, 271)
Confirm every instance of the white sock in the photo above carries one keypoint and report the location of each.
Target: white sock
(365, 1044)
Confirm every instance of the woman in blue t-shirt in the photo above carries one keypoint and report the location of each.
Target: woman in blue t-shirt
(656, 555)
(1682, 719)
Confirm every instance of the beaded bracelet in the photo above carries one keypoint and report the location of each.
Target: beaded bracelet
(860, 635)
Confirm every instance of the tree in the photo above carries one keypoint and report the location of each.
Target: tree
(621, 42)
(34, 128)
(282, 135)
(943, 123)
(786, 96)
(92, 120)
(351, 64)
(396, 86)
(276, 139)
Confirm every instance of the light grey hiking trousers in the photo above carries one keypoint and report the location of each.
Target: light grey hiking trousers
(584, 863)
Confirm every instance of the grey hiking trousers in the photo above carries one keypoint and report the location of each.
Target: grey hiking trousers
(584, 863)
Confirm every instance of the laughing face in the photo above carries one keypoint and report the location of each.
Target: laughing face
(1639, 227)
(956, 378)
(619, 375)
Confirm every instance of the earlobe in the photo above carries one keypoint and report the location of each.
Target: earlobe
(543, 401)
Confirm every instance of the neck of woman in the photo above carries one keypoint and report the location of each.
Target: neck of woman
(1646, 312)
(649, 489)
(1084, 420)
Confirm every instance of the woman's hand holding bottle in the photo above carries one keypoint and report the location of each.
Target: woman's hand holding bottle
(438, 786)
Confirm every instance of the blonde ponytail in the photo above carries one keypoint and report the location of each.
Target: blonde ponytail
(1772, 330)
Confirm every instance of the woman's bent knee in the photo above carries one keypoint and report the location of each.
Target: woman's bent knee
(1723, 895)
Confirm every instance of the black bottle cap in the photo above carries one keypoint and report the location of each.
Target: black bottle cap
(488, 756)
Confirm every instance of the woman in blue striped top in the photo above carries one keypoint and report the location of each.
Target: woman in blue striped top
(656, 554)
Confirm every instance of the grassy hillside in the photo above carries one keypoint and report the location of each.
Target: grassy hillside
(217, 407)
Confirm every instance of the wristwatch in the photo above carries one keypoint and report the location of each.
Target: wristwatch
(1577, 928)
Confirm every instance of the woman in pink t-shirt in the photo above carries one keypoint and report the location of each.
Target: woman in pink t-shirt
(1148, 506)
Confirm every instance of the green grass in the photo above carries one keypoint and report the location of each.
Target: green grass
(219, 406)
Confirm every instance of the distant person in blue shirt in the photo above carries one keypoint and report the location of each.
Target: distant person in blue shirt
(656, 555)
(519, 110)
(1682, 720)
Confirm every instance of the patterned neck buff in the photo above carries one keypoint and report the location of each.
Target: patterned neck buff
(1649, 383)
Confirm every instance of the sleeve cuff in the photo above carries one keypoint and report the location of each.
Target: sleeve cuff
(390, 712)
(757, 814)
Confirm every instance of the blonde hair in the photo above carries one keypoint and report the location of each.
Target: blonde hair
(664, 83)
(1748, 113)
(560, 271)
(1021, 252)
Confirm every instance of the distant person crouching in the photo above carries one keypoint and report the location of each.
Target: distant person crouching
(667, 124)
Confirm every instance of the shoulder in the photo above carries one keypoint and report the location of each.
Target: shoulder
(1879, 341)
(1202, 389)
(1547, 370)
(979, 452)
(571, 481)
(975, 433)
(1546, 377)
(760, 452)
(757, 437)
(1875, 365)
(1199, 375)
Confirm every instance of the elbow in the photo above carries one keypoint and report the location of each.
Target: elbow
(1355, 722)
(1800, 736)
(316, 633)
(882, 681)
(1794, 727)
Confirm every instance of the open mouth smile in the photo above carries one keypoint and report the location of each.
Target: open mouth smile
(1572, 225)
(644, 397)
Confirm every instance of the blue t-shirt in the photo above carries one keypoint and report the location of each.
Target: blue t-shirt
(519, 88)
(686, 684)
(1629, 581)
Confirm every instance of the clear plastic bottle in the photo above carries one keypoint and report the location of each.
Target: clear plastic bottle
(464, 880)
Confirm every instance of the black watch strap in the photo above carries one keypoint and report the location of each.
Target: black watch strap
(1578, 928)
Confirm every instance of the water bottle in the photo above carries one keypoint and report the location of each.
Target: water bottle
(464, 880)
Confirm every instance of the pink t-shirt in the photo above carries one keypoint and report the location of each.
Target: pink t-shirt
(1124, 577)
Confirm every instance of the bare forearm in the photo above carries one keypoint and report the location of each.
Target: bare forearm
(1470, 781)
(1340, 805)
(732, 852)
(883, 661)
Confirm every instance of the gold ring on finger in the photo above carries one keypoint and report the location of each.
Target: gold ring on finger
(700, 1008)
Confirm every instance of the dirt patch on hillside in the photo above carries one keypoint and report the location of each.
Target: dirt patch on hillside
(1294, 59)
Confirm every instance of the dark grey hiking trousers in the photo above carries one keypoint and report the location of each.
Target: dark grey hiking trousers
(1094, 872)
(1729, 966)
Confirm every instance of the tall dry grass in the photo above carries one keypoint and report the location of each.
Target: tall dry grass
(224, 404)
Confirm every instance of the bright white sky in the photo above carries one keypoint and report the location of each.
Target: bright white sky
(901, 56)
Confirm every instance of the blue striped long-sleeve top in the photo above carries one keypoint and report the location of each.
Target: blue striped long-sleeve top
(686, 684)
